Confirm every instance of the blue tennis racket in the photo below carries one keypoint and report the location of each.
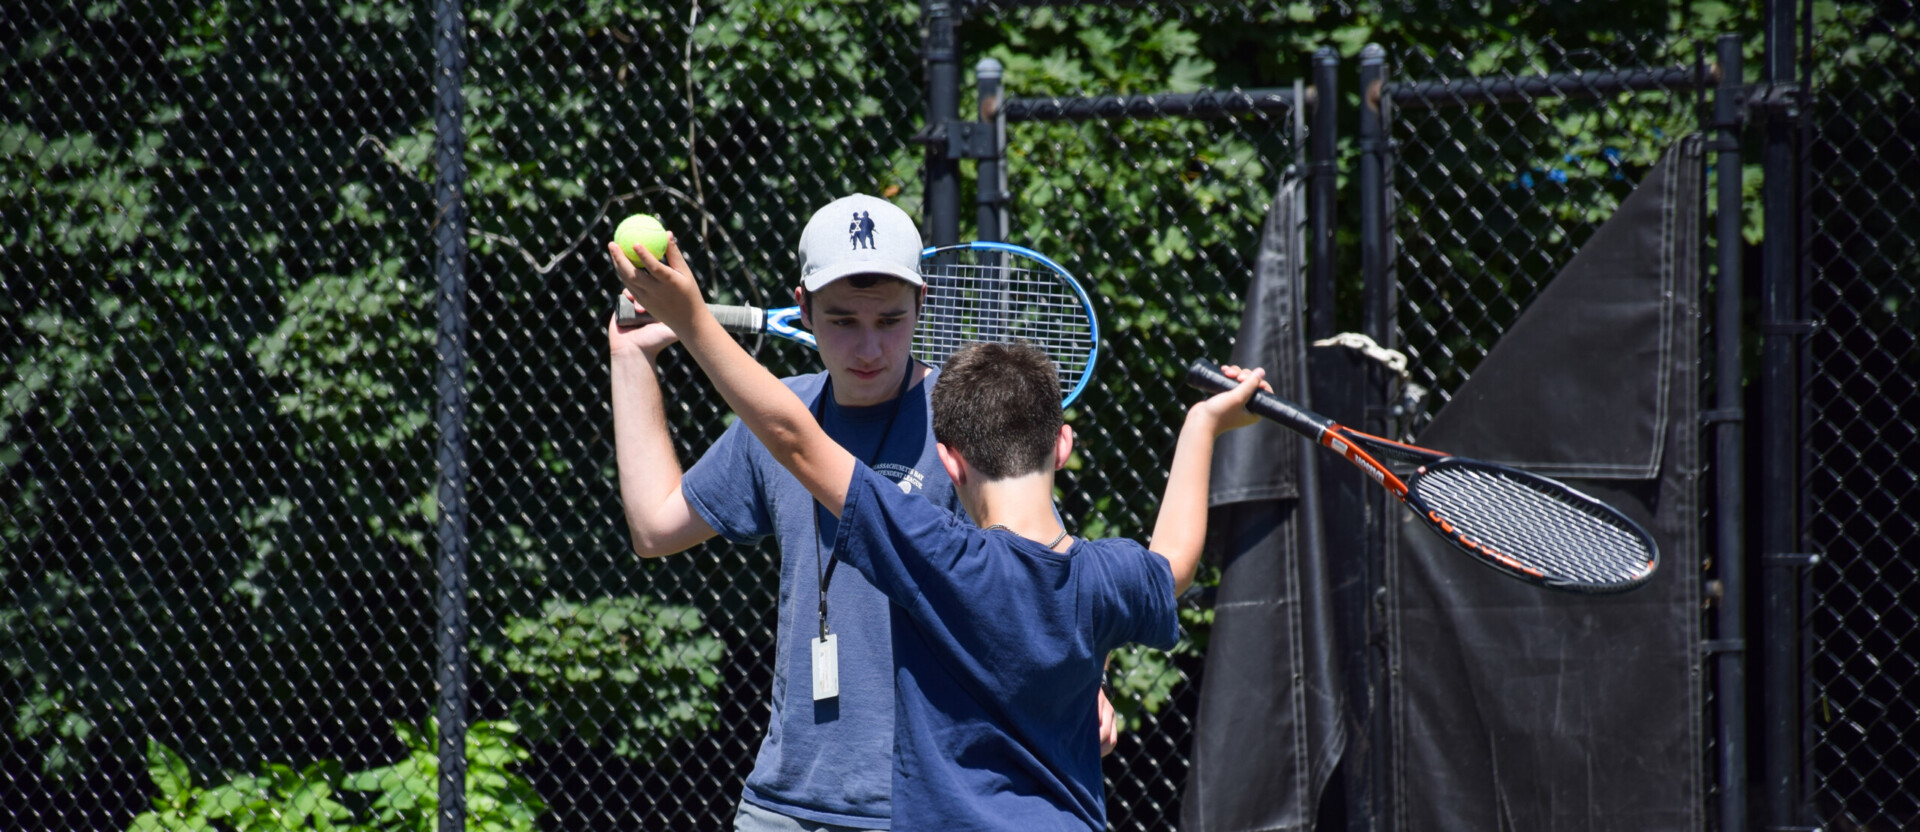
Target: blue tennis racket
(977, 291)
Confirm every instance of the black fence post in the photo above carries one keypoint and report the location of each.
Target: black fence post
(450, 240)
(1783, 556)
(1337, 385)
(1378, 324)
(943, 109)
(1323, 185)
(1374, 230)
(990, 178)
(1728, 649)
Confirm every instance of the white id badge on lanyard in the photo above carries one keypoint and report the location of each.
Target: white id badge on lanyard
(826, 667)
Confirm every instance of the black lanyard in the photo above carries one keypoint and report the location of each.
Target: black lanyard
(825, 572)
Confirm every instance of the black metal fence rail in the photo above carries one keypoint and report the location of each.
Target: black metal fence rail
(1168, 105)
(1471, 91)
(453, 475)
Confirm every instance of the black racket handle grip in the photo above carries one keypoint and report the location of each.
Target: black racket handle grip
(746, 319)
(1206, 375)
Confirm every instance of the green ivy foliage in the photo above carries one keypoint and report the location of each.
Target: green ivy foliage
(279, 797)
(324, 797)
(406, 795)
(219, 329)
(630, 673)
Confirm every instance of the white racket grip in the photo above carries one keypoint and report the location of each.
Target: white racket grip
(625, 314)
(746, 319)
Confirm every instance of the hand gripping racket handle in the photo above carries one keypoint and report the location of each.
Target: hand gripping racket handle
(750, 320)
(1206, 375)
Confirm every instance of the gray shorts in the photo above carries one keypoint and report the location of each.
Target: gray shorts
(752, 818)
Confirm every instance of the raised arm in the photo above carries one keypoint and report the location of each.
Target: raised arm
(775, 415)
(1181, 527)
(658, 517)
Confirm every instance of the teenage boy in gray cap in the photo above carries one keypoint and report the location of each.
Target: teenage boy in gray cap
(826, 760)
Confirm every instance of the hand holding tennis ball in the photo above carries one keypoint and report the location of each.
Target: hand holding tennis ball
(641, 230)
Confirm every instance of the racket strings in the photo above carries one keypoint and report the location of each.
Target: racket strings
(1561, 536)
(969, 302)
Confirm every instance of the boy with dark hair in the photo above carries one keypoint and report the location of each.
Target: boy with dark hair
(999, 631)
(1002, 411)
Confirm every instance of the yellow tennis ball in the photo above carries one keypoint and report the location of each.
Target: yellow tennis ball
(641, 230)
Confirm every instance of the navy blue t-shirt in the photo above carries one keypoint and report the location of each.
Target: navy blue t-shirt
(827, 761)
(998, 643)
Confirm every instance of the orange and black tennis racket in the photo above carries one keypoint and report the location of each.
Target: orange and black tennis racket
(1525, 525)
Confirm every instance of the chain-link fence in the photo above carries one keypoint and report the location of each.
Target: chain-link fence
(216, 249)
(218, 262)
(1159, 211)
(1492, 198)
(1496, 189)
(1862, 389)
(1505, 159)
(220, 340)
(215, 270)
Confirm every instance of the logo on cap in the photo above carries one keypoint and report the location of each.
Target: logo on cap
(861, 230)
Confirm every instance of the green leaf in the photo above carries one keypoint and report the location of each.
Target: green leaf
(169, 772)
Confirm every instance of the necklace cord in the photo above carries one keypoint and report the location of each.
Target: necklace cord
(825, 571)
(1050, 544)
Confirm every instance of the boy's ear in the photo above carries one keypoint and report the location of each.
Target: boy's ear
(800, 300)
(1063, 447)
(951, 460)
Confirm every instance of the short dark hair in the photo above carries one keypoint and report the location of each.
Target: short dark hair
(998, 405)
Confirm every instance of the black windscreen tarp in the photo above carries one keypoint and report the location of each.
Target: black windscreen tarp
(1511, 707)
(1516, 708)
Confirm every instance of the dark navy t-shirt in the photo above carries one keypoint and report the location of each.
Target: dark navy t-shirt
(998, 644)
(827, 761)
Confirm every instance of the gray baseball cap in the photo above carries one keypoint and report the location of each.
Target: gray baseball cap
(859, 234)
